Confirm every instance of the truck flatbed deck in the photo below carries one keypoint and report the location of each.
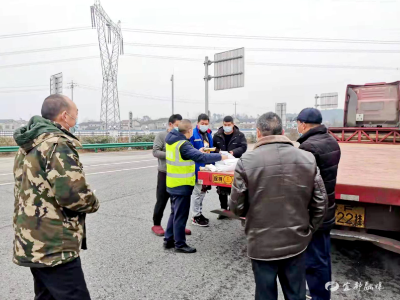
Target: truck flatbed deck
(369, 173)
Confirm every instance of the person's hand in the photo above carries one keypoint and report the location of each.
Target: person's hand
(231, 152)
(224, 157)
(202, 150)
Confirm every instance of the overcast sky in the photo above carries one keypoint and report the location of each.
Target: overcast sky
(264, 85)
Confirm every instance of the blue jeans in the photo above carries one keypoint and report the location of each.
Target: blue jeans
(180, 206)
(318, 265)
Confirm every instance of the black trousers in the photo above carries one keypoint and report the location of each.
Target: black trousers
(292, 277)
(162, 198)
(223, 193)
(63, 282)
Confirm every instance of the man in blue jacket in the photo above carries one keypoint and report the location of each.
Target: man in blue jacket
(202, 137)
(181, 157)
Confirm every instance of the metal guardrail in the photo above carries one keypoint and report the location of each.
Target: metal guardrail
(95, 147)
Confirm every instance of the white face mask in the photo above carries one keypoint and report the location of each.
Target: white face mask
(203, 128)
(300, 134)
(69, 129)
(228, 129)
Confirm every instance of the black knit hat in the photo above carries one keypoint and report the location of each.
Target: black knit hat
(310, 115)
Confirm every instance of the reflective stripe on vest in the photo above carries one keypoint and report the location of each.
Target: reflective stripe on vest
(180, 172)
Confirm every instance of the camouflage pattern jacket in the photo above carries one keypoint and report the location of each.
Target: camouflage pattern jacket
(51, 196)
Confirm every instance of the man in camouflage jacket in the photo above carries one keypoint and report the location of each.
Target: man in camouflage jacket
(51, 201)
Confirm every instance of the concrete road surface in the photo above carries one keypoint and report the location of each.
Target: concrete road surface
(126, 261)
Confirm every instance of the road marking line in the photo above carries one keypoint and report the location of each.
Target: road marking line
(105, 172)
(119, 163)
(88, 166)
(113, 171)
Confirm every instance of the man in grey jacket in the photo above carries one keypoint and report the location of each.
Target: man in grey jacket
(162, 194)
(279, 190)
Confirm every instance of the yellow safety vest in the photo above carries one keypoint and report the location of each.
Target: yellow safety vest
(179, 171)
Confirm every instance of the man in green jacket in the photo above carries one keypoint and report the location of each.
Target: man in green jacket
(52, 199)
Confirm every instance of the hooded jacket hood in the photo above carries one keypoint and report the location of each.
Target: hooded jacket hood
(174, 136)
(25, 136)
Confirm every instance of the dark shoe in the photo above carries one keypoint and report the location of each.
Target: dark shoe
(169, 244)
(205, 219)
(158, 230)
(185, 249)
(221, 217)
(200, 221)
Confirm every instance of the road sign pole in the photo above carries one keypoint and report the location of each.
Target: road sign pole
(206, 79)
(130, 126)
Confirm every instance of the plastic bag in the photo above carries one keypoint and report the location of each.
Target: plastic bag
(230, 156)
(227, 165)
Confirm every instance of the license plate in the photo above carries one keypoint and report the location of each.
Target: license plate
(347, 215)
(222, 179)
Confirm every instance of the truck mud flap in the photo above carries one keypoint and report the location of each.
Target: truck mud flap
(383, 242)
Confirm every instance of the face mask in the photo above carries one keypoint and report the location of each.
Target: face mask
(228, 129)
(203, 128)
(300, 134)
(67, 122)
(176, 128)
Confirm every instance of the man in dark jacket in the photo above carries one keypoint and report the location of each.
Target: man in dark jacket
(315, 138)
(181, 157)
(161, 192)
(228, 138)
(280, 192)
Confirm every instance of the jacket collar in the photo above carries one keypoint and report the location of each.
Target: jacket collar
(273, 139)
(313, 131)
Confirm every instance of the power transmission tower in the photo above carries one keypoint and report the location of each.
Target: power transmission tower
(111, 46)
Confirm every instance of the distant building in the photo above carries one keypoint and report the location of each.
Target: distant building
(161, 123)
(135, 125)
(148, 125)
(247, 123)
(11, 125)
(91, 125)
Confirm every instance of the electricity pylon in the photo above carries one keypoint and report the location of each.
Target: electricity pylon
(111, 46)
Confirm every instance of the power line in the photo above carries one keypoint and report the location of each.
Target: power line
(194, 47)
(159, 98)
(47, 62)
(17, 35)
(46, 49)
(23, 91)
(23, 87)
(201, 60)
(321, 66)
(164, 57)
(259, 37)
(273, 64)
